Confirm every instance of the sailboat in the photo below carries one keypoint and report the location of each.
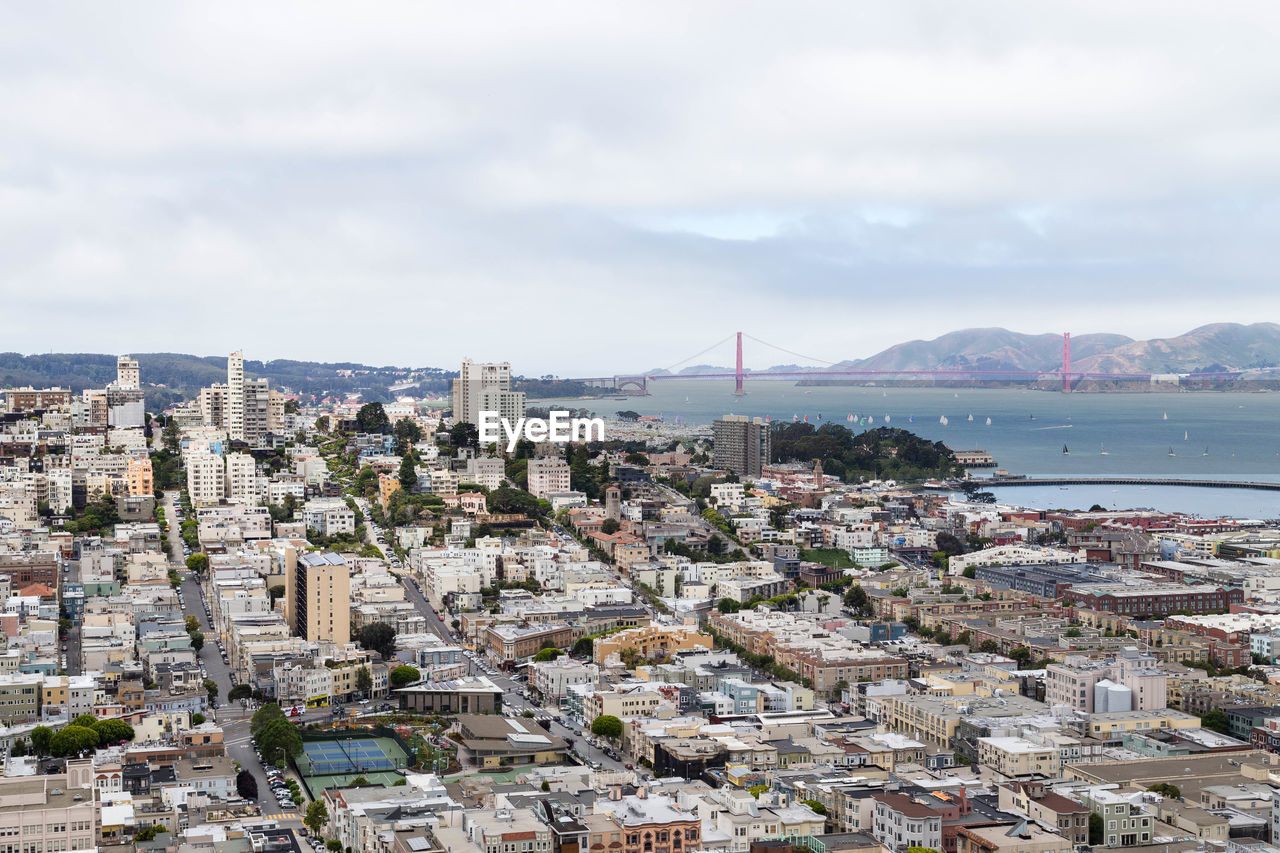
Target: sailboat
(988, 421)
(971, 418)
(943, 420)
(1166, 417)
(886, 418)
(1033, 417)
(1171, 453)
(911, 419)
(1206, 451)
(1184, 435)
(1065, 452)
(1102, 449)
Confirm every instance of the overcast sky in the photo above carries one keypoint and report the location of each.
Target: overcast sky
(594, 186)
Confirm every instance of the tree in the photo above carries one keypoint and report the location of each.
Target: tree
(317, 812)
(191, 623)
(197, 719)
(113, 731)
(546, 655)
(372, 418)
(816, 806)
(364, 680)
(949, 544)
(1165, 789)
(198, 563)
(609, 526)
(379, 637)
(857, 600)
(264, 715)
(40, 738)
(408, 473)
(73, 740)
(275, 592)
(246, 785)
(358, 781)
(989, 647)
(334, 845)
(404, 674)
(1215, 721)
(464, 434)
(279, 740)
(239, 692)
(149, 833)
(970, 572)
(1095, 829)
(197, 641)
(211, 687)
(407, 434)
(607, 725)
(728, 605)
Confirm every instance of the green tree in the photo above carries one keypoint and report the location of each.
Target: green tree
(1095, 829)
(113, 731)
(279, 740)
(40, 738)
(275, 592)
(358, 781)
(317, 812)
(364, 680)
(1215, 721)
(379, 637)
(970, 572)
(857, 600)
(198, 563)
(372, 418)
(607, 725)
(263, 716)
(728, 605)
(949, 544)
(1165, 789)
(197, 719)
(239, 692)
(73, 740)
(546, 655)
(148, 833)
(404, 674)
(609, 526)
(211, 687)
(407, 434)
(197, 641)
(989, 647)
(408, 473)
(816, 806)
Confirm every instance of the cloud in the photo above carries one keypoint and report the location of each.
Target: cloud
(593, 187)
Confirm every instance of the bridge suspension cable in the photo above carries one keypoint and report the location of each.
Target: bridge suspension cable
(789, 352)
(724, 340)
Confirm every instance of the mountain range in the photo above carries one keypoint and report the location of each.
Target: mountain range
(1215, 347)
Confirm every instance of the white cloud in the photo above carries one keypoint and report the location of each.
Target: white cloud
(610, 186)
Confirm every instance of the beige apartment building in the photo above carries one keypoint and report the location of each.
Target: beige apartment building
(1017, 758)
(50, 813)
(318, 596)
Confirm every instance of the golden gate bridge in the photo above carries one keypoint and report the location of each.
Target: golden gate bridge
(639, 382)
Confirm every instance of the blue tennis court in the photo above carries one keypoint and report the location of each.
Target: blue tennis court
(354, 755)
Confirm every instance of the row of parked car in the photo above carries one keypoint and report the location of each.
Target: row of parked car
(279, 789)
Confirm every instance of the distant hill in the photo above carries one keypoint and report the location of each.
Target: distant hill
(1216, 347)
(990, 349)
(170, 377)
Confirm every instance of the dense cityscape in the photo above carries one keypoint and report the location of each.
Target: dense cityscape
(242, 622)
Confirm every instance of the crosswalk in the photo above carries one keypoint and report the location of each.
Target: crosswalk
(281, 816)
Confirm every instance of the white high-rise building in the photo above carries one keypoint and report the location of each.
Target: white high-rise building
(242, 480)
(204, 478)
(128, 377)
(235, 396)
(485, 387)
(547, 476)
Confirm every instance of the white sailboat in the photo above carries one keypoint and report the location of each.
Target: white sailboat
(970, 418)
(1166, 417)
(886, 418)
(943, 420)
(1184, 435)
(1102, 449)
(988, 421)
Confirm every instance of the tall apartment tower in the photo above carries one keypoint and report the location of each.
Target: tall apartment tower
(317, 596)
(741, 445)
(485, 387)
(128, 377)
(235, 396)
